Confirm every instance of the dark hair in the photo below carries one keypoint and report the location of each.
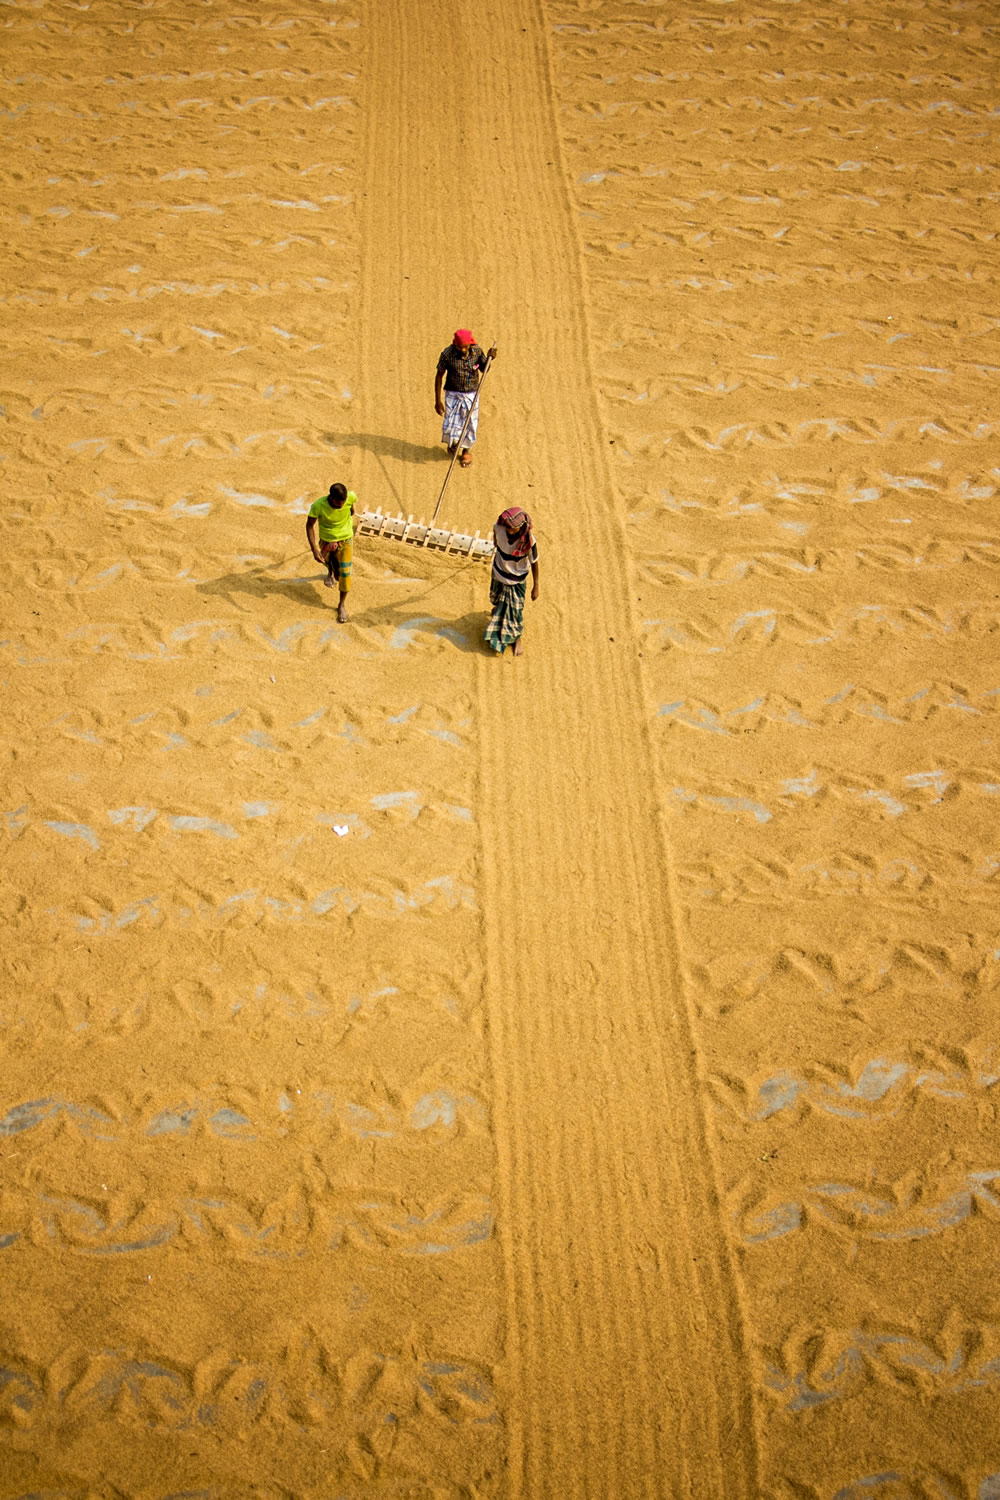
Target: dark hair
(338, 492)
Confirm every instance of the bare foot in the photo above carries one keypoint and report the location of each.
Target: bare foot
(518, 648)
(328, 581)
(465, 459)
(451, 449)
(342, 615)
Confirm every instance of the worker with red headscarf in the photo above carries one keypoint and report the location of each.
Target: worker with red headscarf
(515, 553)
(459, 371)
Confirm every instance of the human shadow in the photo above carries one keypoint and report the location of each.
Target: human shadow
(407, 620)
(382, 447)
(258, 584)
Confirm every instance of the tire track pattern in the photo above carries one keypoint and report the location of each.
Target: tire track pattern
(585, 1150)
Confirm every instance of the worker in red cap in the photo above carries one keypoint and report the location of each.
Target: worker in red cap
(459, 371)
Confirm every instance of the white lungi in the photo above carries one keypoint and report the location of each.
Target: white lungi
(457, 405)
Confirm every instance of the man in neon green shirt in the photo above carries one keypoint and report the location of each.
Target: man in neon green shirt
(332, 513)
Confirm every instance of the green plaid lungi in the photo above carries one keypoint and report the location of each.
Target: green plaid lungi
(507, 619)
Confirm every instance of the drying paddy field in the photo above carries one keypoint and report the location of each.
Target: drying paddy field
(611, 1111)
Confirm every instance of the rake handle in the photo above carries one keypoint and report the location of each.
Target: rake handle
(465, 428)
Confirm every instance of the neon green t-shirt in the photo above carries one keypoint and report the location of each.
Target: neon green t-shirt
(334, 525)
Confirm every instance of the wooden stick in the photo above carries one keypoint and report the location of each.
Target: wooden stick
(465, 428)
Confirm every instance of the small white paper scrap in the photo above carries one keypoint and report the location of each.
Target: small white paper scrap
(340, 829)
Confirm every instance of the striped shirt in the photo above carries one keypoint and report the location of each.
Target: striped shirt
(506, 567)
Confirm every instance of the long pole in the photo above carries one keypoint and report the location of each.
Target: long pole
(465, 428)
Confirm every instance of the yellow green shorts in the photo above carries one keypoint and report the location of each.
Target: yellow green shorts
(339, 557)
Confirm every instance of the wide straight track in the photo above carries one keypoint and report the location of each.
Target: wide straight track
(626, 1372)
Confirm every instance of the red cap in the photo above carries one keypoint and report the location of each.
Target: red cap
(463, 336)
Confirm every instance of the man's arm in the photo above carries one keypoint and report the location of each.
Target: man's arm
(534, 580)
(438, 402)
(311, 537)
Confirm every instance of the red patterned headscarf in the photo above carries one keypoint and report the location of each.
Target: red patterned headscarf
(517, 524)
